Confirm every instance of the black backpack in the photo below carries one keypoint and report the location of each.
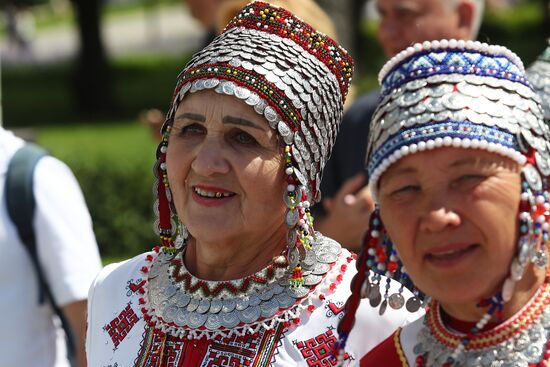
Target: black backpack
(20, 205)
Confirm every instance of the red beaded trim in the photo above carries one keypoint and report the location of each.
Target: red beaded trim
(186, 279)
(521, 321)
(274, 20)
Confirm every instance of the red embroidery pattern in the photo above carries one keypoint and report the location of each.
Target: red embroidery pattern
(317, 351)
(162, 350)
(120, 326)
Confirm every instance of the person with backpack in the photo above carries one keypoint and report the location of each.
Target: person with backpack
(48, 258)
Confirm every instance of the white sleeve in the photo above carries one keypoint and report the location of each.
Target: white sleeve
(66, 245)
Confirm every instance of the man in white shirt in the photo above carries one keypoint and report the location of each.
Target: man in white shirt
(30, 334)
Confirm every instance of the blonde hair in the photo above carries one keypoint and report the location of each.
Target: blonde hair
(307, 10)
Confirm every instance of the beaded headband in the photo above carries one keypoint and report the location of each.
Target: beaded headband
(294, 76)
(456, 94)
(539, 76)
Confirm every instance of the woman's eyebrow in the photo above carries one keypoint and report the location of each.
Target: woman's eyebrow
(241, 121)
(191, 116)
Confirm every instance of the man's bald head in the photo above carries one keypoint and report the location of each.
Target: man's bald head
(405, 22)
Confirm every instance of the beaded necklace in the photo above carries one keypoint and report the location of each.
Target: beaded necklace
(179, 304)
(522, 340)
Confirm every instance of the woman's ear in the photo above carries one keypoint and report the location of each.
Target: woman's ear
(465, 11)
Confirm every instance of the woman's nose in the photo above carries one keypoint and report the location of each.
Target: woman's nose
(438, 219)
(209, 159)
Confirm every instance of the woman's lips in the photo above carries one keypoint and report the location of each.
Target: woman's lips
(450, 255)
(211, 196)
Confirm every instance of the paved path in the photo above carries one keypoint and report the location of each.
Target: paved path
(165, 29)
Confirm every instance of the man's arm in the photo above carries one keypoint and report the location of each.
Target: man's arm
(75, 313)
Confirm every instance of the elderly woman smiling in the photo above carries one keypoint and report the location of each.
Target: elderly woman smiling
(458, 161)
(241, 278)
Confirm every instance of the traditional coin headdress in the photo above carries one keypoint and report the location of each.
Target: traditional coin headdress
(461, 94)
(295, 77)
(539, 76)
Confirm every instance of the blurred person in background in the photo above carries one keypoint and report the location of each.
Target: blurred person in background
(50, 265)
(242, 278)
(346, 205)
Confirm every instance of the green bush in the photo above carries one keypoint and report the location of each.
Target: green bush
(113, 164)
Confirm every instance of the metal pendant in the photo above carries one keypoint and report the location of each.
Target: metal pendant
(383, 307)
(396, 301)
(413, 304)
(533, 177)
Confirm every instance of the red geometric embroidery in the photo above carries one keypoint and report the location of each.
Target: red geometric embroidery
(162, 350)
(121, 325)
(317, 351)
(335, 309)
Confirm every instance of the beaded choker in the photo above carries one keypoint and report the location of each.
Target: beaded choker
(182, 305)
(520, 341)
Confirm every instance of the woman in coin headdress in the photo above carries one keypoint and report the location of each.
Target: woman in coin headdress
(241, 277)
(458, 161)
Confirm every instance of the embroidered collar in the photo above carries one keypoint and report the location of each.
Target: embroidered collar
(520, 340)
(182, 305)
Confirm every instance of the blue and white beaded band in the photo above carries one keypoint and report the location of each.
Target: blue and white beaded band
(457, 134)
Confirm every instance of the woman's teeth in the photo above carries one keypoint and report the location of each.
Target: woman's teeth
(211, 194)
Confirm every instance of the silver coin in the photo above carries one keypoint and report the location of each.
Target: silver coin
(170, 313)
(415, 84)
(297, 292)
(193, 304)
(396, 301)
(284, 300)
(254, 300)
(413, 304)
(374, 291)
(542, 164)
(228, 305)
(260, 107)
(266, 295)
(170, 290)
(213, 322)
(252, 100)
(297, 195)
(204, 306)
(230, 320)
(250, 314)
(269, 308)
(182, 317)
(321, 268)
(310, 258)
(215, 305)
(312, 279)
(197, 320)
(292, 216)
(270, 114)
(277, 289)
(242, 93)
(327, 257)
(533, 177)
(374, 302)
(162, 306)
(241, 303)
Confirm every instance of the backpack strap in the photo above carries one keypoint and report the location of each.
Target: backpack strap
(20, 205)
